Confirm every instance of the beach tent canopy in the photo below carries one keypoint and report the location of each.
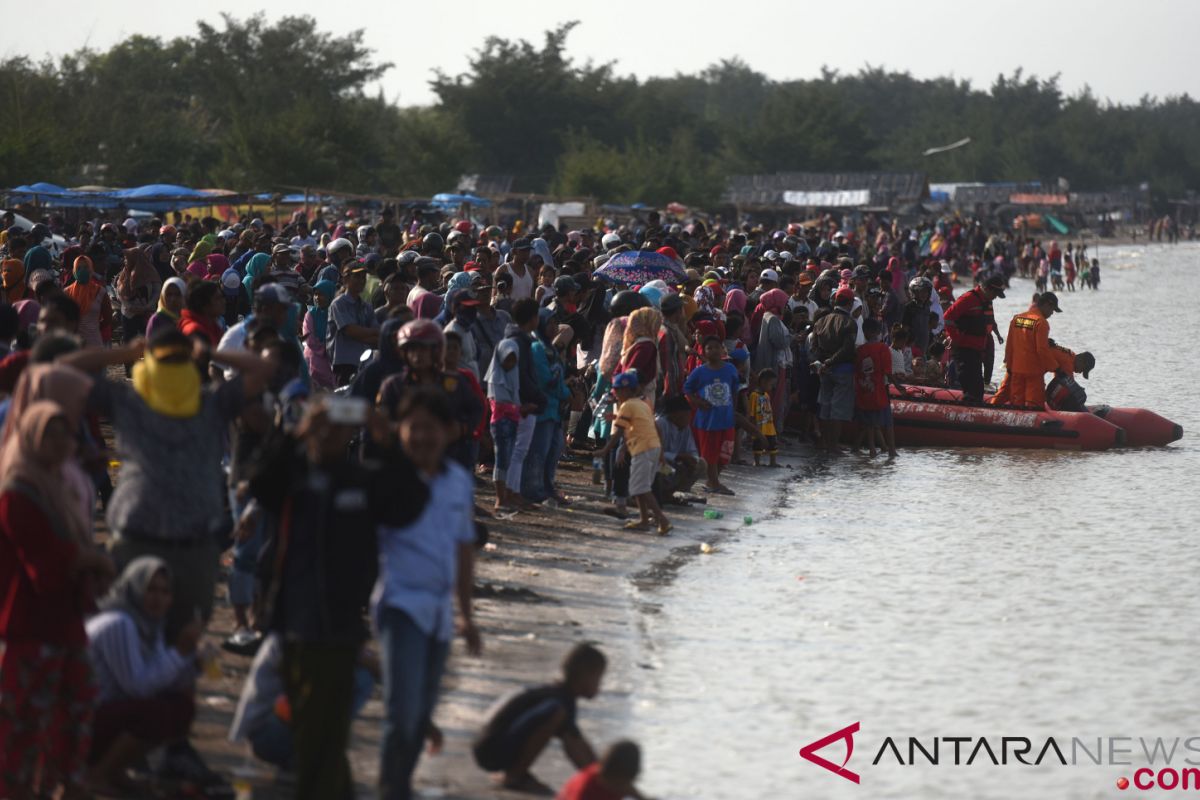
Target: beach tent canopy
(451, 202)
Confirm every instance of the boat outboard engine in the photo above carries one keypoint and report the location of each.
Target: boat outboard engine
(1064, 393)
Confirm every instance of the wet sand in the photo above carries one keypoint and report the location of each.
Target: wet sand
(547, 580)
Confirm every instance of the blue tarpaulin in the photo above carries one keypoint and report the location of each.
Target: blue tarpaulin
(451, 202)
(152, 197)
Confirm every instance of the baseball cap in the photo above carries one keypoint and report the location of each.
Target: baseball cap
(467, 298)
(670, 304)
(997, 283)
(355, 268)
(805, 278)
(717, 250)
(770, 255)
(740, 354)
(280, 248)
(272, 293)
(769, 275)
(843, 294)
(1046, 297)
(565, 283)
(862, 271)
(524, 243)
(230, 279)
(946, 268)
(626, 380)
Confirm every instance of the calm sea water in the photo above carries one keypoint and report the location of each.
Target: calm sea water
(952, 593)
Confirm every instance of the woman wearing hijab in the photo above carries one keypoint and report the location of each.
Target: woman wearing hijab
(138, 287)
(206, 245)
(774, 350)
(258, 266)
(12, 273)
(45, 676)
(735, 301)
(316, 325)
(145, 687)
(170, 306)
(427, 306)
(504, 396)
(216, 264)
(639, 350)
(95, 309)
(38, 258)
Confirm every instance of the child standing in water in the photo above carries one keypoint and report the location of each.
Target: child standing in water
(763, 418)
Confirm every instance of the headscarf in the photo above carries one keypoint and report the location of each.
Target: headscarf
(643, 326)
(653, 294)
(504, 385)
(38, 257)
(427, 306)
(21, 462)
(610, 350)
(706, 302)
(255, 268)
(542, 248)
(27, 313)
(320, 316)
(735, 300)
(168, 283)
(140, 274)
(170, 389)
(217, 264)
(773, 301)
(13, 270)
(206, 245)
(128, 596)
(84, 293)
(459, 280)
(68, 388)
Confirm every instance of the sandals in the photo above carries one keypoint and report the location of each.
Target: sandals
(636, 525)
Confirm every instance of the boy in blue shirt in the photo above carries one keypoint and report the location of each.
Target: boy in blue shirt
(712, 388)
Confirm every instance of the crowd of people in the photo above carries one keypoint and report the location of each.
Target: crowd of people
(335, 401)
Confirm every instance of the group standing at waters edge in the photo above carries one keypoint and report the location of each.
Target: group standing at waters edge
(324, 401)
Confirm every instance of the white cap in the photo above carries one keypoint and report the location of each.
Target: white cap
(611, 240)
(769, 275)
(130, 224)
(946, 267)
(337, 244)
(230, 279)
(839, 235)
(771, 255)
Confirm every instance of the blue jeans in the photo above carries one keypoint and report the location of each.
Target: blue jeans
(413, 662)
(546, 445)
(504, 436)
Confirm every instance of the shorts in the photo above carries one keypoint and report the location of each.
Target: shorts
(642, 468)
(498, 752)
(837, 396)
(716, 447)
(877, 418)
(241, 587)
(772, 446)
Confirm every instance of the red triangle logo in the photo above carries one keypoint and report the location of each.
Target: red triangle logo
(809, 752)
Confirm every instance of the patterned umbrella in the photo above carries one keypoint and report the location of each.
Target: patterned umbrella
(636, 267)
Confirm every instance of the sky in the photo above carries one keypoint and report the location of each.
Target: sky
(1145, 48)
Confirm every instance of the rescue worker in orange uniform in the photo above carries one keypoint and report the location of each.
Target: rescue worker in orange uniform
(1028, 354)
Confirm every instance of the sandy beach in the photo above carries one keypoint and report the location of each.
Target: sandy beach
(547, 580)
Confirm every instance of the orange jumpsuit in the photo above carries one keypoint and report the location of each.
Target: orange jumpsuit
(1066, 363)
(1029, 356)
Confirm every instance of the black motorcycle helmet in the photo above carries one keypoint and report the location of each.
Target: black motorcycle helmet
(433, 244)
(625, 303)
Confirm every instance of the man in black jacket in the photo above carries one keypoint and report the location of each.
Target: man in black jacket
(326, 508)
(533, 400)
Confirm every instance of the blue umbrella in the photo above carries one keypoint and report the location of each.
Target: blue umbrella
(634, 267)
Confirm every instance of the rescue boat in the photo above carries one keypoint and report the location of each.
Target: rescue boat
(929, 417)
(925, 416)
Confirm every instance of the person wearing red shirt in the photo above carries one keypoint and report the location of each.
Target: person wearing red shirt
(873, 407)
(609, 779)
(969, 323)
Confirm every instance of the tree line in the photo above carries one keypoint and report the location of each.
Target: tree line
(259, 105)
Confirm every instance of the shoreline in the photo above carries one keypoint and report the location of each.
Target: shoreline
(548, 579)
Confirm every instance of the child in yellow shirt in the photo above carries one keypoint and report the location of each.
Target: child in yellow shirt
(763, 416)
